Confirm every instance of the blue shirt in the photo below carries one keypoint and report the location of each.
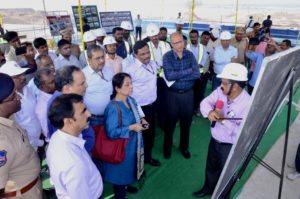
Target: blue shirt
(121, 50)
(258, 59)
(183, 71)
(88, 134)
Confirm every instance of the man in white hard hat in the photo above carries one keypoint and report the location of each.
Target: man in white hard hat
(223, 54)
(100, 34)
(224, 132)
(128, 38)
(157, 51)
(111, 58)
(213, 42)
(157, 48)
(89, 39)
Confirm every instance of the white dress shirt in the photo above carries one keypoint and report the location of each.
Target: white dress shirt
(144, 81)
(99, 88)
(51, 54)
(60, 62)
(41, 111)
(72, 170)
(222, 57)
(195, 50)
(33, 87)
(211, 45)
(27, 118)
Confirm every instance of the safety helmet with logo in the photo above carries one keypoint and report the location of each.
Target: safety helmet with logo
(109, 40)
(89, 36)
(225, 35)
(152, 30)
(235, 72)
(100, 32)
(126, 25)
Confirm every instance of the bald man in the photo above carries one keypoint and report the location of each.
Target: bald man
(181, 70)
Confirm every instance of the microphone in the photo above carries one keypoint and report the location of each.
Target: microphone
(218, 109)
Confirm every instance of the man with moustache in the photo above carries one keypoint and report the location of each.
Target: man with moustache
(72, 170)
(224, 132)
(19, 173)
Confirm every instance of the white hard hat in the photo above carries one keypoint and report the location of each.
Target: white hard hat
(109, 40)
(89, 36)
(225, 35)
(234, 71)
(180, 22)
(11, 68)
(215, 26)
(100, 32)
(152, 30)
(126, 25)
(215, 32)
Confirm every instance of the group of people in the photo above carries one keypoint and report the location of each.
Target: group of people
(60, 99)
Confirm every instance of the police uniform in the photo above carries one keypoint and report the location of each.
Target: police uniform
(19, 163)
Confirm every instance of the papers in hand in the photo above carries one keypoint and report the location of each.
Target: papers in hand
(169, 83)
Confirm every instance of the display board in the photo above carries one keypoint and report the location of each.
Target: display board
(90, 13)
(110, 20)
(59, 22)
(271, 88)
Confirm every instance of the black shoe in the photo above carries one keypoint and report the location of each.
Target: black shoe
(131, 189)
(201, 193)
(186, 154)
(167, 154)
(153, 162)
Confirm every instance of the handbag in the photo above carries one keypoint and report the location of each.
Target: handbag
(106, 149)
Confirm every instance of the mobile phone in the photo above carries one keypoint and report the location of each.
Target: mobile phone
(21, 50)
(145, 126)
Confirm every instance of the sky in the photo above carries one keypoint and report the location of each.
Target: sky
(138, 5)
(160, 9)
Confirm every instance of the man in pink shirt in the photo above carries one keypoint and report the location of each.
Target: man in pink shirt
(111, 58)
(225, 120)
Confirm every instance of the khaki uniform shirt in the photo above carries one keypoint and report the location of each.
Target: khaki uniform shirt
(241, 48)
(19, 163)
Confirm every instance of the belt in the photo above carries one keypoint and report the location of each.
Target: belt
(221, 143)
(22, 191)
(180, 91)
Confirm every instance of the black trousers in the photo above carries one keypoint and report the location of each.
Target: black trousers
(297, 159)
(180, 107)
(119, 191)
(161, 102)
(149, 134)
(138, 32)
(199, 90)
(216, 158)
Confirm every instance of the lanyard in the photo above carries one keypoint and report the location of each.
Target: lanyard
(101, 75)
(150, 71)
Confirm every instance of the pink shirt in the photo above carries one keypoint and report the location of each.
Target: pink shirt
(227, 132)
(115, 64)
